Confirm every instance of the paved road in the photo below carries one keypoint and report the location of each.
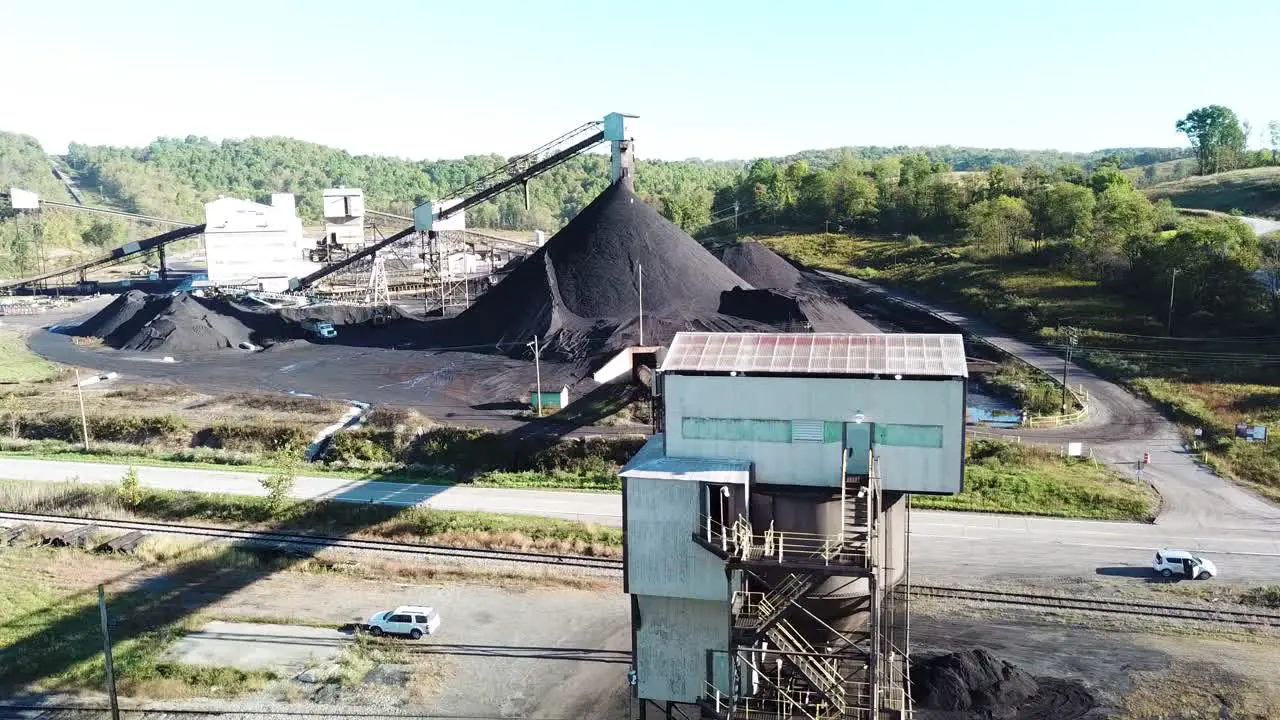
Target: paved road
(1120, 428)
(944, 544)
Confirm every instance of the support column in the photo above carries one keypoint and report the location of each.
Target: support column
(164, 266)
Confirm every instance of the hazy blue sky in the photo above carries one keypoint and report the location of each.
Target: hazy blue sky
(711, 79)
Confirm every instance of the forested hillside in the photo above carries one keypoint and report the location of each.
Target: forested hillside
(881, 186)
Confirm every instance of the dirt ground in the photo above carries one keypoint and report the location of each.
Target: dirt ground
(543, 652)
(518, 651)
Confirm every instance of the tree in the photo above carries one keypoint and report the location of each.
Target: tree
(279, 483)
(1106, 176)
(1216, 136)
(1064, 210)
(130, 488)
(1123, 218)
(13, 413)
(999, 222)
(1273, 133)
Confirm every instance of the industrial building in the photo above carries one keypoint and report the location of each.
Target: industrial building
(256, 246)
(343, 217)
(766, 523)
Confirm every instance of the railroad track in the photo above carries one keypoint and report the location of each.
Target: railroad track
(1112, 607)
(295, 540)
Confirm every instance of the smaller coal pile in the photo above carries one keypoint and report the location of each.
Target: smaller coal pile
(180, 323)
(787, 298)
(976, 685)
(760, 266)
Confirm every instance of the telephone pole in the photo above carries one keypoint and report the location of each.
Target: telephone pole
(537, 366)
(1173, 279)
(106, 654)
(640, 283)
(1072, 338)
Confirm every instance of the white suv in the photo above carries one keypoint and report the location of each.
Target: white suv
(412, 620)
(1181, 562)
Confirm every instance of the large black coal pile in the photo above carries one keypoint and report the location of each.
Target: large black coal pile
(976, 685)
(580, 292)
(760, 266)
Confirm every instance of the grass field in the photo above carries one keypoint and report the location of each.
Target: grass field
(1025, 480)
(1211, 384)
(56, 631)
(1255, 191)
(383, 522)
(19, 365)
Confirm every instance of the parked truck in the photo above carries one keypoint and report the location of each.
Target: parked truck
(320, 328)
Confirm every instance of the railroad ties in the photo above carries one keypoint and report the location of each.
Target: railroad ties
(84, 537)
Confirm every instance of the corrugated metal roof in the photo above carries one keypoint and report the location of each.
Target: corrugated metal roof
(818, 353)
(652, 464)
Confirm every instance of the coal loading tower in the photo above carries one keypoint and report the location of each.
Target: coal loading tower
(766, 524)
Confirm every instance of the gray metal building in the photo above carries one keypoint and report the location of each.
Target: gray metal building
(766, 523)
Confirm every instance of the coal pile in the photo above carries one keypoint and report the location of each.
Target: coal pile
(976, 685)
(580, 292)
(787, 297)
(180, 323)
(120, 312)
(760, 266)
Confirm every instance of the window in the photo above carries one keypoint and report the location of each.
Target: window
(926, 436)
(400, 618)
(739, 429)
(419, 620)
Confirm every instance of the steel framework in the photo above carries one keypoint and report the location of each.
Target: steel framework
(773, 671)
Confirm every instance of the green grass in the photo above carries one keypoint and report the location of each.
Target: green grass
(18, 364)
(1034, 295)
(30, 610)
(1019, 479)
(1217, 408)
(1267, 596)
(414, 524)
(124, 454)
(1255, 191)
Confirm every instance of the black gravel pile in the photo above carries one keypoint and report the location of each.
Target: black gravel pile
(975, 684)
(760, 266)
(180, 323)
(580, 291)
(119, 312)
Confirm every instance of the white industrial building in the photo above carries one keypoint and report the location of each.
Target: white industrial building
(344, 217)
(248, 244)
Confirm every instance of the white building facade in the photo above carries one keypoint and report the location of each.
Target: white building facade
(248, 244)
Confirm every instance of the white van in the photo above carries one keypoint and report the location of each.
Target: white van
(1182, 562)
(412, 620)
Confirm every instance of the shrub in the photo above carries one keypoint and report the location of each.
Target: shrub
(130, 488)
(279, 482)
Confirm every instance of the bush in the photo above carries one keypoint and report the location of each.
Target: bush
(279, 483)
(253, 437)
(130, 488)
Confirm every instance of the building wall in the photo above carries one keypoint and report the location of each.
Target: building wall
(672, 641)
(245, 241)
(931, 460)
(662, 557)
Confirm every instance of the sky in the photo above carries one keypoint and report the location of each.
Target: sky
(717, 79)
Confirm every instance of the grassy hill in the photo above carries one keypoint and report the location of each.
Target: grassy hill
(1255, 191)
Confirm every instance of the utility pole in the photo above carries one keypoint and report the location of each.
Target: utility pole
(640, 284)
(1173, 279)
(106, 654)
(84, 421)
(735, 214)
(537, 368)
(1071, 343)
